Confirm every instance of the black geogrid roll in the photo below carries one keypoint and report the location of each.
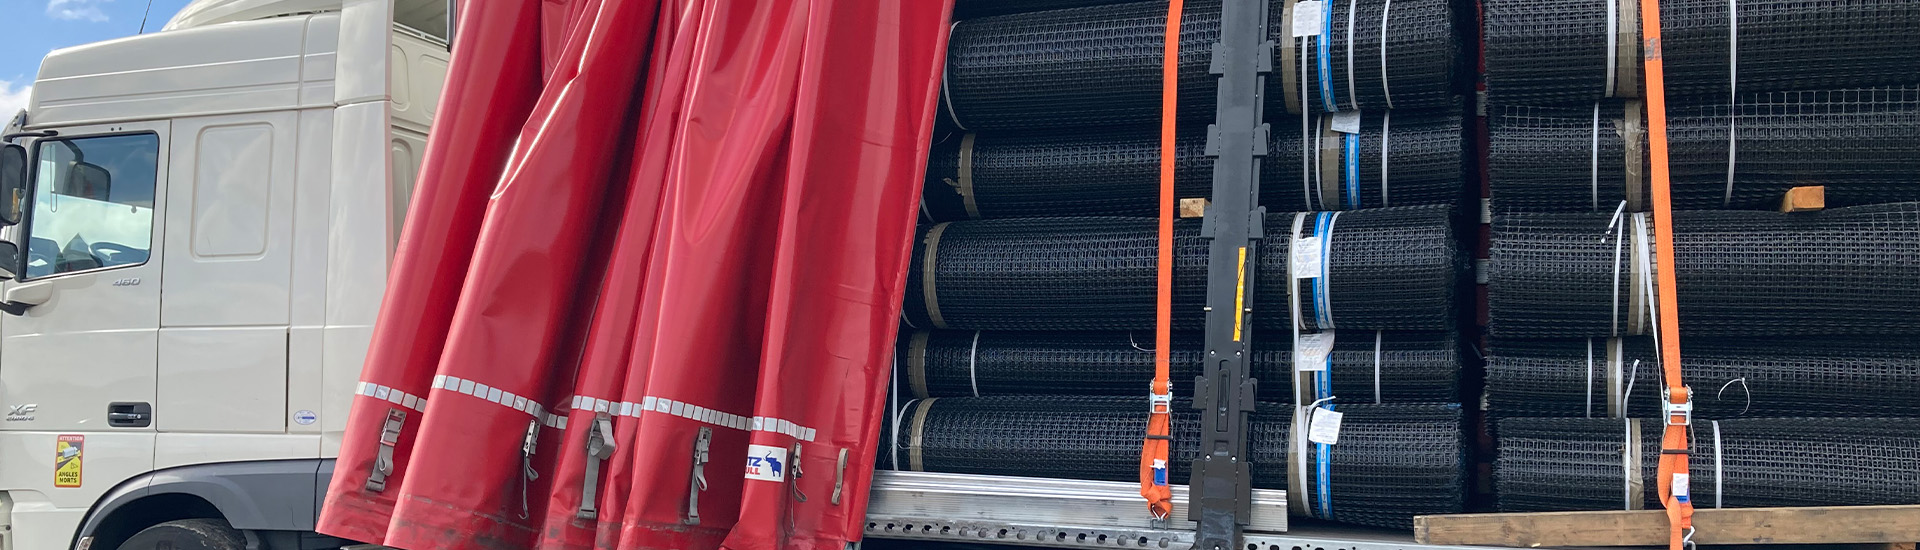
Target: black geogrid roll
(1392, 462)
(1554, 52)
(969, 9)
(1100, 65)
(1732, 377)
(1847, 271)
(1414, 367)
(1117, 171)
(1548, 464)
(1859, 144)
(1389, 269)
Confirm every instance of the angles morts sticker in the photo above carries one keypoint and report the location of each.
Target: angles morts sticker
(68, 452)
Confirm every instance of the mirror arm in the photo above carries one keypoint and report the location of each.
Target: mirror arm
(41, 133)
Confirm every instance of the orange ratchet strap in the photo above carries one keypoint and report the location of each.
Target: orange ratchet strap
(1153, 451)
(1677, 398)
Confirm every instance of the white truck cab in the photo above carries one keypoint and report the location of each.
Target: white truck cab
(204, 217)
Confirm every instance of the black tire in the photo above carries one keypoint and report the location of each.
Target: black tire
(187, 534)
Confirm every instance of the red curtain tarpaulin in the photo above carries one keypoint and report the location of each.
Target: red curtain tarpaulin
(690, 264)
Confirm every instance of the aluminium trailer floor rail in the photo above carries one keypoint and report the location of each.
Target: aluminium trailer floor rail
(1058, 513)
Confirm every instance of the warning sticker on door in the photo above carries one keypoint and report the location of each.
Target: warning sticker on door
(766, 463)
(68, 451)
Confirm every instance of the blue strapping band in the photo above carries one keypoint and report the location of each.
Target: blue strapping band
(1326, 60)
(1322, 297)
(1352, 153)
(1324, 476)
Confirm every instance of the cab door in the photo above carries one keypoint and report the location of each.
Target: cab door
(77, 366)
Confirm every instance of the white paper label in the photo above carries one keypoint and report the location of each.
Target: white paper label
(1306, 257)
(1347, 122)
(766, 463)
(1308, 19)
(1311, 353)
(1680, 485)
(1324, 428)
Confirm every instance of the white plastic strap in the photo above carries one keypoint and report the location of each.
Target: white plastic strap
(1376, 365)
(972, 354)
(1386, 124)
(1293, 303)
(947, 91)
(1385, 89)
(1589, 378)
(1619, 230)
(1308, 161)
(1593, 164)
(893, 402)
(1613, 44)
(1719, 470)
(1643, 256)
(1733, 90)
(1353, 99)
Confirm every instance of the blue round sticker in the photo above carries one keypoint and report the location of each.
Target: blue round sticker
(304, 417)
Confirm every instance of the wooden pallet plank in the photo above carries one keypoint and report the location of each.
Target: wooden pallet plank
(1804, 199)
(1806, 525)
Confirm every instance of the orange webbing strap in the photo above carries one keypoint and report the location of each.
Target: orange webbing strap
(1153, 451)
(1678, 407)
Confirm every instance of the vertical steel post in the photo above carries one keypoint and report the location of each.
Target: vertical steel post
(1222, 491)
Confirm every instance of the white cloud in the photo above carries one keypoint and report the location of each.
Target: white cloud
(77, 10)
(12, 99)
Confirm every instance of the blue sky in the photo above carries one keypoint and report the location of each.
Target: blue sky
(31, 28)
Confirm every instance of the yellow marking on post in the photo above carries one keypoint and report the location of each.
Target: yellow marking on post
(1240, 295)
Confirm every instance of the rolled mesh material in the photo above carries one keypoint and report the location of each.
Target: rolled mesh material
(1555, 51)
(1858, 144)
(1100, 65)
(1386, 269)
(1548, 464)
(1732, 377)
(970, 9)
(1392, 462)
(1368, 366)
(1117, 172)
(1845, 271)
(1572, 159)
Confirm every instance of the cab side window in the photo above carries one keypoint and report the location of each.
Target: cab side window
(93, 203)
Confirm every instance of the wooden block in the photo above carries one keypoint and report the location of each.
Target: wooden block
(1193, 208)
(1804, 199)
(1809, 525)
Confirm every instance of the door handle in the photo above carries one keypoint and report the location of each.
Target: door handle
(129, 415)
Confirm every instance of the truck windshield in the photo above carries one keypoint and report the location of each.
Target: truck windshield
(92, 203)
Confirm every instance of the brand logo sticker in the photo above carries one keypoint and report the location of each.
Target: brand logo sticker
(766, 463)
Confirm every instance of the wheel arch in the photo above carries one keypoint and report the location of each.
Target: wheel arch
(266, 495)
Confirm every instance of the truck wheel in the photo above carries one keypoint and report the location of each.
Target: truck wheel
(187, 534)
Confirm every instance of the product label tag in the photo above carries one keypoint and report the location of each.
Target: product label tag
(1308, 19)
(1325, 427)
(766, 463)
(1310, 354)
(1681, 488)
(1347, 122)
(1306, 257)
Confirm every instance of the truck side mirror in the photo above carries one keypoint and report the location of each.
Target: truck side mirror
(13, 185)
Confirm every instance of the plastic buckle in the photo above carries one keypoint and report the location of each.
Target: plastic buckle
(1683, 411)
(1162, 403)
